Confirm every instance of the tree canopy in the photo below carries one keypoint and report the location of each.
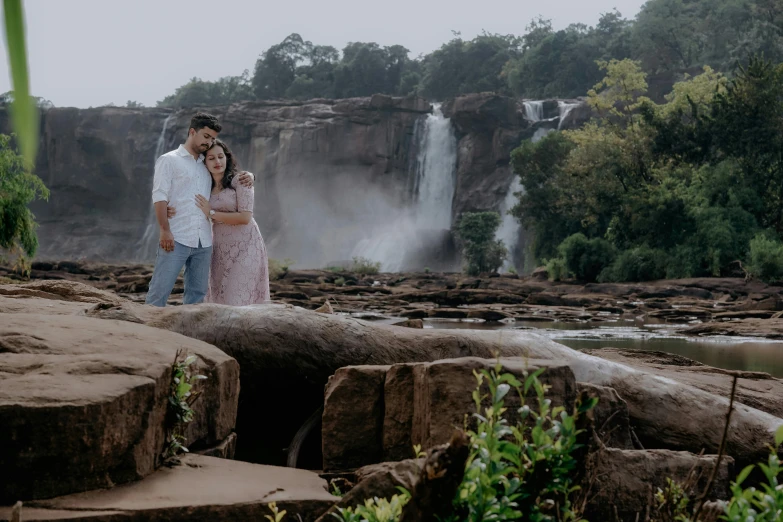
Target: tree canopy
(689, 187)
(668, 38)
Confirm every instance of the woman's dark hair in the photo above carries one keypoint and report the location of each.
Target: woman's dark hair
(231, 164)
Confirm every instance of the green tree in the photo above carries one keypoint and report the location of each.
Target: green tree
(362, 70)
(564, 63)
(461, 67)
(226, 90)
(482, 252)
(586, 258)
(18, 188)
(7, 98)
(678, 189)
(314, 78)
(669, 34)
(275, 71)
(747, 124)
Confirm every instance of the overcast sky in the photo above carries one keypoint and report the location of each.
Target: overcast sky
(91, 52)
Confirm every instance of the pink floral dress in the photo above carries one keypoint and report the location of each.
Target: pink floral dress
(239, 274)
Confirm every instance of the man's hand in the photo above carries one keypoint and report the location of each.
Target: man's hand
(166, 240)
(171, 212)
(203, 204)
(246, 179)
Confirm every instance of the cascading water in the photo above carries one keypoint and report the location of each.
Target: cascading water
(534, 110)
(435, 172)
(508, 232)
(148, 245)
(431, 189)
(565, 108)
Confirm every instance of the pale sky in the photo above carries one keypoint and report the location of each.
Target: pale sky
(91, 52)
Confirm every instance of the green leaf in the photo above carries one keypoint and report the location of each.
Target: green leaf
(501, 392)
(779, 436)
(24, 113)
(744, 474)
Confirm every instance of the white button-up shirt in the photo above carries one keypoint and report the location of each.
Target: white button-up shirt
(178, 178)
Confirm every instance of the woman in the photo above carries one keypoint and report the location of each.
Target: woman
(239, 274)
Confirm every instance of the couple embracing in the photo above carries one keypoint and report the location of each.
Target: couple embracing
(204, 207)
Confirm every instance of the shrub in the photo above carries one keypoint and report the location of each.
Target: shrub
(684, 261)
(181, 397)
(512, 469)
(556, 269)
(364, 266)
(482, 252)
(526, 468)
(755, 504)
(375, 509)
(762, 504)
(18, 188)
(766, 258)
(278, 269)
(641, 263)
(586, 258)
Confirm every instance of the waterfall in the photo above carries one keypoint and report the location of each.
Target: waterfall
(509, 229)
(148, 245)
(431, 184)
(565, 108)
(534, 110)
(435, 173)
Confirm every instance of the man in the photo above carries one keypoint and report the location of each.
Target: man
(185, 238)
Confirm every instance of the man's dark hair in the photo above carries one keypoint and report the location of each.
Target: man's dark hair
(202, 119)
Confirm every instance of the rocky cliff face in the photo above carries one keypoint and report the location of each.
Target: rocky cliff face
(331, 174)
(489, 127)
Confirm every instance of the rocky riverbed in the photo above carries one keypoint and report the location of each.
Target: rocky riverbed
(700, 306)
(84, 369)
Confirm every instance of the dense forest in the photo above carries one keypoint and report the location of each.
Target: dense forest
(668, 38)
(689, 187)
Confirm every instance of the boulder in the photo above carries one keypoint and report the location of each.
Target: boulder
(353, 417)
(755, 389)
(284, 348)
(623, 482)
(281, 345)
(378, 480)
(83, 401)
(418, 404)
(610, 416)
(202, 488)
(442, 394)
(398, 395)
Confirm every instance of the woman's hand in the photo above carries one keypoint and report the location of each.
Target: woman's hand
(203, 204)
(171, 212)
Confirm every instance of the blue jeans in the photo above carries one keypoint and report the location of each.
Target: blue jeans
(167, 267)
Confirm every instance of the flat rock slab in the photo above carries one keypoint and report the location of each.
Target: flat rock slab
(768, 328)
(83, 401)
(202, 488)
(755, 389)
(61, 290)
